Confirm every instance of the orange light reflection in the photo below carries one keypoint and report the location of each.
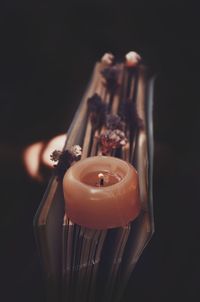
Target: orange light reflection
(37, 154)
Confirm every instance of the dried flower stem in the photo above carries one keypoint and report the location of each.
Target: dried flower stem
(125, 149)
(102, 91)
(87, 138)
(132, 88)
(93, 151)
(89, 144)
(116, 98)
(131, 98)
(110, 143)
(72, 137)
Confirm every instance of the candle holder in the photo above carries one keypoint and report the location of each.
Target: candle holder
(82, 264)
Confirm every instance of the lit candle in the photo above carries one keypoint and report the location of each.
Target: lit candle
(101, 192)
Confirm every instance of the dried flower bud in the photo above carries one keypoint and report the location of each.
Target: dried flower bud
(97, 110)
(112, 139)
(107, 58)
(95, 103)
(65, 159)
(76, 151)
(113, 121)
(110, 75)
(132, 59)
(55, 155)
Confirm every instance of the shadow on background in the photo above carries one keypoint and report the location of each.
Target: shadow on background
(47, 55)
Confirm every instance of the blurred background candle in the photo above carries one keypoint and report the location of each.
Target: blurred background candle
(101, 192)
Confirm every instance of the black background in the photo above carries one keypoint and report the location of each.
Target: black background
(47, 53)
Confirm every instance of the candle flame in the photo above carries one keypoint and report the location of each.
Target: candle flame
(101, 179)
(100, 175)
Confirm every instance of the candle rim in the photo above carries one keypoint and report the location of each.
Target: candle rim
(106, 188)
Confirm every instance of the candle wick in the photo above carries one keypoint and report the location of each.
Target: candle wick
(101, 179)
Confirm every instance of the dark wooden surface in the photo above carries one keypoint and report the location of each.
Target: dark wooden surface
(47, 55)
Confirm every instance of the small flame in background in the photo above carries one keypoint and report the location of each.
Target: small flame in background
(39, 153)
